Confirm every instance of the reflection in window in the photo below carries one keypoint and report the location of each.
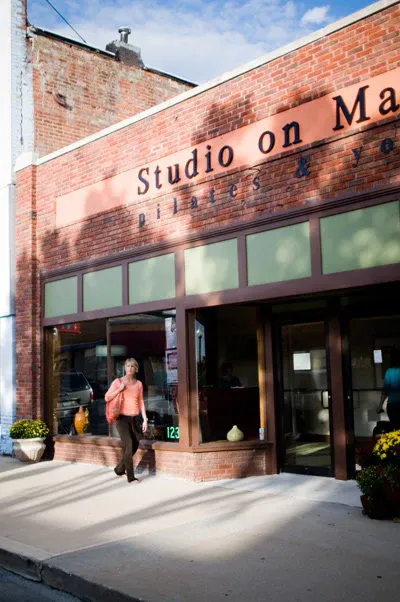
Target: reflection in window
(77, 375)
(372, 342)
(227, 372)
(151, 339)
(82, 364)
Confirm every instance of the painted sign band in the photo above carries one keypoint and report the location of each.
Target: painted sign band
(320, 119)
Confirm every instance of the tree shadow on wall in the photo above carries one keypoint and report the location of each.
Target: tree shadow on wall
(280, 190)
(301, 175)
(97, 236)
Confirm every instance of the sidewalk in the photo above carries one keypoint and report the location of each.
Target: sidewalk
(81, 529)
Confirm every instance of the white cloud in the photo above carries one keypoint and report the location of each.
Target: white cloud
(316, 16)
(191, 39)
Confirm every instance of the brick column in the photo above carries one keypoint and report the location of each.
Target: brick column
(27, 298)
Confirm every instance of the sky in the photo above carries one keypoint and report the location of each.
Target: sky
(193, 40)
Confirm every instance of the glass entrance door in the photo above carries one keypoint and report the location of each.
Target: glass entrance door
(374, 347)
(305, 400)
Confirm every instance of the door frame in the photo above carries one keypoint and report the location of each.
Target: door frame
(374, 309)
(301, 317)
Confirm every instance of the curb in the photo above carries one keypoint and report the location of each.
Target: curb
(24, 566)
(40, 571)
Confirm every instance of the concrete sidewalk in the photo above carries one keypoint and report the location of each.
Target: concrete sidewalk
(83, 530)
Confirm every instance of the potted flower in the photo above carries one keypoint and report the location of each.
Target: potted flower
(379, 477)
(28, 437)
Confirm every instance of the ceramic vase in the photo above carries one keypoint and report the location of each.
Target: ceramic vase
(80, 421)
(29, 450)
(235, 434)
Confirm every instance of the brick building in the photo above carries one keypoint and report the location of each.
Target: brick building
(78, 90)
(242, 242)
(55, 91)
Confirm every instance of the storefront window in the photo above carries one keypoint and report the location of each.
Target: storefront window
(151, 339)
(227, 372)
(76, 375)
(83, 358)
(374, 343)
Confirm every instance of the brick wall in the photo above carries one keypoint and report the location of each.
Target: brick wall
(204, 466)
(27, 303)
(98, 90)
(354, 54)
(351, 55)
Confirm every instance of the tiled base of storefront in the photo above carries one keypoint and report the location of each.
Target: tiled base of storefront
(196, 466)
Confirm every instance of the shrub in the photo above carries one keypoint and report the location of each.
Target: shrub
(387, 448)
(370, 480)
(365, 454)
(380, 465)
(392, 473)
(29, 429)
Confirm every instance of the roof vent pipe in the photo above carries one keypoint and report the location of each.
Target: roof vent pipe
(124, 31)
(125, 52)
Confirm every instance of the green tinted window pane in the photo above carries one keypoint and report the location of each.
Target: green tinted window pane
(61, 297)
(211, 268)
(152, 279)
(361, 239)
(280, 254)
(102, 289)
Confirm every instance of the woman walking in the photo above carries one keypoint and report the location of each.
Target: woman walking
(128, 421)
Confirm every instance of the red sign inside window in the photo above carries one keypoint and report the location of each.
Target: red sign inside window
(72, 327)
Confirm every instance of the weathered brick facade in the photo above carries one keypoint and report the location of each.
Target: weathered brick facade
(350, 55)
(363, 50)
(97, 90)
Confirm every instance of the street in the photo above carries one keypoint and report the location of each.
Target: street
(14, 588)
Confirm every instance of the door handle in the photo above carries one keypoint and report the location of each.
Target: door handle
(328, 399)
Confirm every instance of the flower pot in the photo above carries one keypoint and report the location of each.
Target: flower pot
(392, 498)
(29, 450)
(394, 504)
(375, 507)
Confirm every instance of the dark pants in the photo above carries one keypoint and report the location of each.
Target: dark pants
(129, 431)
(393, 412)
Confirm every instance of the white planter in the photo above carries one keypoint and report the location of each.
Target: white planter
(29, 450)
